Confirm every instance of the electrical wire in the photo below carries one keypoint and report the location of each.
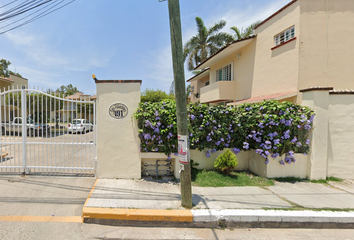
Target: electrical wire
(28, 11)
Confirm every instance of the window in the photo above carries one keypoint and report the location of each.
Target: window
(225, 73)
(284, 36)
(207, 83)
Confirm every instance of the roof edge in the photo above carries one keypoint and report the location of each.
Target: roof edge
(223, 48)
(276, 13)
(203, 71)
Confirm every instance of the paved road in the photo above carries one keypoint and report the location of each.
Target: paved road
(58, 150)
(24, 199)
(78, 231)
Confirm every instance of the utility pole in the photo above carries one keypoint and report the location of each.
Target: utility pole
(181, 102)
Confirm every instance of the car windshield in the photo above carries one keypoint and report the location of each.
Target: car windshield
(76, 122)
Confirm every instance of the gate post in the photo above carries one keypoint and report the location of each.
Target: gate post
(24, 130)
(118, 146)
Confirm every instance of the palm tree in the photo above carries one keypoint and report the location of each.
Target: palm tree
(243, 33)
(207, 42)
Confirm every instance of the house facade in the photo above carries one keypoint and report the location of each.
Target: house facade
(9, 112)
(306, 43)
(70, 109)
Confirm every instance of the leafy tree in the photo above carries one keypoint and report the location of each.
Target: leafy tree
(150, 95)
(188, 90)
(4, 69)
(67, 90)
(207, 42)
(244, 33)
(226, 161)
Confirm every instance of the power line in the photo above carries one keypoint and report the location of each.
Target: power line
(27, 12)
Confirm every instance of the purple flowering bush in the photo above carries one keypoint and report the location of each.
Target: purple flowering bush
(157, 126)
(271, 128)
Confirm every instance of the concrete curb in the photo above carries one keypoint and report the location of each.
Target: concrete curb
(227, 218)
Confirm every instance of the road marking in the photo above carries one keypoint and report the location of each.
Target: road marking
(71, 219)
(94, 185)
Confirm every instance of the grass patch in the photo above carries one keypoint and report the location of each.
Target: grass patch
(211, 178)
(295, 179)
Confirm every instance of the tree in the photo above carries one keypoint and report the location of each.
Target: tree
(68, 90)
(4, 69)
(150, 95)
(207, 42)
(244, 33)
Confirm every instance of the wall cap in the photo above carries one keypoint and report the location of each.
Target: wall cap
(118, 81)
(316, 89)
(342, 91)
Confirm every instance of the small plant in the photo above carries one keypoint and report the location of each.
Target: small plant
(226, 161)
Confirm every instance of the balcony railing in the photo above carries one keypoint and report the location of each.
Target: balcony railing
(219, 91)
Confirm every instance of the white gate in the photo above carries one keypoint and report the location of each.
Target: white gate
(43, 132)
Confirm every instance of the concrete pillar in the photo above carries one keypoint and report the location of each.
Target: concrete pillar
(318, 99)
(118, 154)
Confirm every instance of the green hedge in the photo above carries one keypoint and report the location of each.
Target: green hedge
(271, 128)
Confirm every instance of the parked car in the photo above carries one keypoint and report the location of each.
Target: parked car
(80, 125)
(32, 128)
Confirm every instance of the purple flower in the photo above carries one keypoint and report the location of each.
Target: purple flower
(156, 113)
(213, 151)
(201, 115)
(308, 141)
(312, 117)
(281, 162)
(192, 117)
(156, 149)
(276, 141)
(294, 140)
(287, 134)
(221, 139)
(298, 144)
(307, 126)
(236, 150)
(275, 155)
(245, 145)
(259, 151)
(267, 161)
(209, 139)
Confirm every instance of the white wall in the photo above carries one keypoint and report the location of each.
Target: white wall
(341, 136)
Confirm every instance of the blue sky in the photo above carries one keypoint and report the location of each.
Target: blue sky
(115, 39)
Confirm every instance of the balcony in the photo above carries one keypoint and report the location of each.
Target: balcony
(219, 91)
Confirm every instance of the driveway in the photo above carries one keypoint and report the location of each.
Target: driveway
(57, 150)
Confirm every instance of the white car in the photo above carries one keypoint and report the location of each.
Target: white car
(80, 125)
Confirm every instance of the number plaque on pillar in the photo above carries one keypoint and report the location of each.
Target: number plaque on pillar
(118, 110)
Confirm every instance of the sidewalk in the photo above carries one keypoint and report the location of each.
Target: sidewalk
(144, 203)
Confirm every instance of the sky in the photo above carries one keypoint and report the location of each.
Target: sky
(115, 40)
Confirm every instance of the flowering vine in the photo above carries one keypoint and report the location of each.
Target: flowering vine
(272, 128)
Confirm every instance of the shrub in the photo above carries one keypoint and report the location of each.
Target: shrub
(226, 161)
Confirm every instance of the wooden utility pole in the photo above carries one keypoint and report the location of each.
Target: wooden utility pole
(181, 102)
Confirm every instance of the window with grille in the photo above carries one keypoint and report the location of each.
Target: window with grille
(284, 36)
(225, 73)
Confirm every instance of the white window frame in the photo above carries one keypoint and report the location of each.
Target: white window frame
(284, 36)
(227, 73)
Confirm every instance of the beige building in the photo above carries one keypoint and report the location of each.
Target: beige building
(71, 110)
(306, 43)
(9, 112)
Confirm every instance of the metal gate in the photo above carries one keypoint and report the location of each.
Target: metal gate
(45, 133)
